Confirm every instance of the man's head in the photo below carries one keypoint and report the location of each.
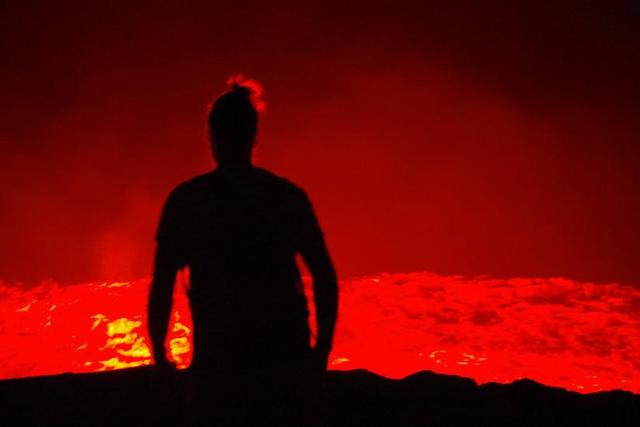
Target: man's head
(233, 121)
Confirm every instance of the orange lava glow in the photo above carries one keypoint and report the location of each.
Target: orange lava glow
(579, 336)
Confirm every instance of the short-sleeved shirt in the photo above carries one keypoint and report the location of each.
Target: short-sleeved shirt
(239, 233)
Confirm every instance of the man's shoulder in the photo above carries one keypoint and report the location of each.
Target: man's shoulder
(266, 181)
(184, 194)
(281, 183)
(191, 185)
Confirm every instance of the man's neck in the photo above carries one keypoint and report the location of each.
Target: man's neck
(235, 166)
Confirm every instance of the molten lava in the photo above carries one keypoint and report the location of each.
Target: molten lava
(559, 332)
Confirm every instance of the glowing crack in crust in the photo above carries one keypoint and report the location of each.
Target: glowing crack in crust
(559, 332)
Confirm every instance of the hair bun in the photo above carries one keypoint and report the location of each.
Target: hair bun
(238, 88)
(250, 88)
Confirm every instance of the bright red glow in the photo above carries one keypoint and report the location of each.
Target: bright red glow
(559, 332)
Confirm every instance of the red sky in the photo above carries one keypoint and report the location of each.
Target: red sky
(456, 139)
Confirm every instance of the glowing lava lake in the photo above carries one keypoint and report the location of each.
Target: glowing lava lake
(580, 336)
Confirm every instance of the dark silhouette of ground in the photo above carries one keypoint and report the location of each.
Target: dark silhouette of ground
(239, 230)
(352, 398)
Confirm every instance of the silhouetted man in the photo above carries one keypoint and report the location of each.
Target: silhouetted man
(239, 228)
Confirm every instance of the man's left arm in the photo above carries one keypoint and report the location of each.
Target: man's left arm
(160, 301)
(169, 258)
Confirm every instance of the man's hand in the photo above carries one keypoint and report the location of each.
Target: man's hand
(163, 365)
(166, 379)
(319, 359)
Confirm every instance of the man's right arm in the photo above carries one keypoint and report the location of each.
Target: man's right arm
(325, 293)
(316, 256)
